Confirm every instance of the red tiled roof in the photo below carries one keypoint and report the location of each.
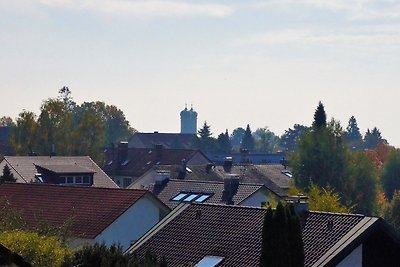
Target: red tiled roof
(89, 209)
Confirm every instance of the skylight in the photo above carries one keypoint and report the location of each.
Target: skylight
(179, 196)
(125, 162)
(202, 198)
(288, 174)
(210, 261)
(190, 197)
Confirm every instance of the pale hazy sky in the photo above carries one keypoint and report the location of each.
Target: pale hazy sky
(266, 63)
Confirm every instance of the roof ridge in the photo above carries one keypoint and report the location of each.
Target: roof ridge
(211, 182)
(228, 206)
(74, 186)
(338, 213)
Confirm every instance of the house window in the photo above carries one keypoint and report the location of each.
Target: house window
(74, 179)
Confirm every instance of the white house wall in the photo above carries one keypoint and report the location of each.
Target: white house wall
(256, 199)
(354, 259)
(131, 225)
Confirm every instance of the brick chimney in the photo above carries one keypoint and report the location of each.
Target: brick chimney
(228, 162)
(231, 185)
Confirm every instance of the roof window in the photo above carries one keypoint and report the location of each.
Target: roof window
(210, 261)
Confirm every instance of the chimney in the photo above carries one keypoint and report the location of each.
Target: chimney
(231, 185)
(209, 167)
(228, 162)
(53, 150)
(182, 169)
(300, 204)
(122, 152)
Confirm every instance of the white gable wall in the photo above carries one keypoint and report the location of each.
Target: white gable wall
(354, 259)
(131, 225)
(256, 199)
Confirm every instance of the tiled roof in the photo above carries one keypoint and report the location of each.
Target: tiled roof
(66, 168)
(90, 209)
(215, 189)
(268, 174)
(193, 231)
(24, 167)
(167, 140)
(140, 160)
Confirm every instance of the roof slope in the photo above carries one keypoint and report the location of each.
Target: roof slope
(140, 160)
(25, 167)
(89, 209)
(192, 231)
(215, 189)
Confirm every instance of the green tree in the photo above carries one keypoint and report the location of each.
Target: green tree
(373, 138)
(320, 157)
(236, 138)
(352, 135)
(39, 250)
(266, 140)
(6, 121)
(100, 255)
(205, 140)
(7, 176)
(90, 131)
(360, 186)
(392, 213)
(391, 174)
(282, 243)
(55, 128)
(248, 141)
(224, 143)
(289, 139)
(319, 117)
(325, 199)
(24, 133)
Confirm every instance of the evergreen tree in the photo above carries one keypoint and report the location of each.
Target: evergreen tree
(352, 135)
(319, 117)
(7, 175)
(248, 139)
(205, 140)
(205, 131)
(373, 138)
(290, 138)
(224, 143)
(282, 244)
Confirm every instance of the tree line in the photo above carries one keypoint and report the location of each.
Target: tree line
(65, 128)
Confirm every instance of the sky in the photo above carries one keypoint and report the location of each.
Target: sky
(263, 63)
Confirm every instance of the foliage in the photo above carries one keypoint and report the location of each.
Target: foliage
(69, 128)
(7, 175)
(320, 158)
(282, 243)
(248, 141)
(289, 139)
(391, 174)
(100, 255)
(37, 249)
(223, 142)
(205, 140)
(392, 213)
(236, 137)
(361, 184)
(266, 140)
(352, 135)
(6, 121)
(23, 134)
(373, 138)
(325, 199)
(319, 117)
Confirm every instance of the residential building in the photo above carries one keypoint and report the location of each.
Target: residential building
(228, 235)
(68, 170)
(92, 214)
(167, 140)
(175, 191)
(128, 164)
